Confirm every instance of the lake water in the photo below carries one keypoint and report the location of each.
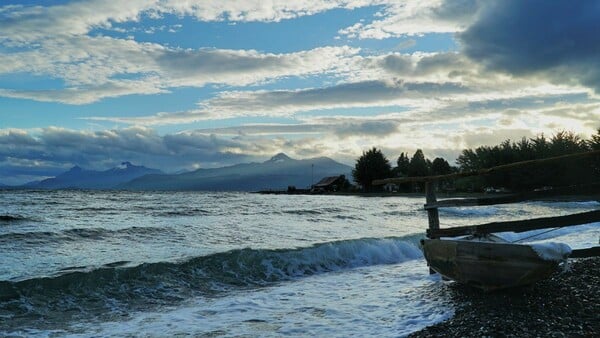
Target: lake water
(90, 263)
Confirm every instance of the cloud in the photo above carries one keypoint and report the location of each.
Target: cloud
(444, 131)
(426, 86)
(22, 24)
(59, 148)
(55, 42)
(556, 40)
(416, 18)
(243, 67)
(340, 127)
(85, 94)
(256, 10)
(346, 95)
(101, 67)
(229, 104)
(32, 23)
(37, 154)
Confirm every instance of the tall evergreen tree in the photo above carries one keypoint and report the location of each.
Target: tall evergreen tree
(418, 165)
(403, 163)
(370, 166)
(440, 166)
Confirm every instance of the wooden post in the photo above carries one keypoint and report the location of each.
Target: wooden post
(432, 213)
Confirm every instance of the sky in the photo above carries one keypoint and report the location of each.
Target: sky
(182, 85)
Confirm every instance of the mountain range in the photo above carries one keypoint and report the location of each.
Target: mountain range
(277, 173)
(78, 178)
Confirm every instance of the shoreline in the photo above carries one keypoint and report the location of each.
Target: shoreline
(439, 195)
(565, 305)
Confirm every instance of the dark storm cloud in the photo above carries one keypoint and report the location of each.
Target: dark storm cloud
(557, 39)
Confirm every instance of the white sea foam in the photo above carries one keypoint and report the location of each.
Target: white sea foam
(352, 303)
(551, 251)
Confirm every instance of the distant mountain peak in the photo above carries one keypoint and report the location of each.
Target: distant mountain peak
(76, 169)
(281, 157)
(125, 165)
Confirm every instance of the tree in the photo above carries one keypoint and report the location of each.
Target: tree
(595, 141)
(594, 144)
(403, 164)
(440, 166)
(372, 165)
(559, 173)
(418, 165)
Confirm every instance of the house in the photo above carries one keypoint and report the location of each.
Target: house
(391, 187)
(331, 183)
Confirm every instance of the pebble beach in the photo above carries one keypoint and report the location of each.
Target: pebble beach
(565, 305)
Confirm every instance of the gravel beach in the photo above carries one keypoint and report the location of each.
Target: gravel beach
(565, 305)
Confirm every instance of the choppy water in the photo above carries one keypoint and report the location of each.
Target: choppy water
(81, 263)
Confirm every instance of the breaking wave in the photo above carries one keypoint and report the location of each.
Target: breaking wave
(117, 286)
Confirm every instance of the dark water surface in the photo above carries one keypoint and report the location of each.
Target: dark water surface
(155, 264)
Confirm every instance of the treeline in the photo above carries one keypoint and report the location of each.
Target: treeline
(567, 172)
(374, 165)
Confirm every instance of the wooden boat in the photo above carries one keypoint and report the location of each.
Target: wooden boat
(489, 265)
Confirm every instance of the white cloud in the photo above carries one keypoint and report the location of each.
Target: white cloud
(86, 94)
(34, 23)
(257, 10)
(416, 17)
(95, 68)
(53, 42)
(22, 24)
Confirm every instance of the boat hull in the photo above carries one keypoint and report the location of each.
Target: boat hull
(486, 265)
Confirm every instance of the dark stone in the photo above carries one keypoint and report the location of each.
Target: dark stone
(565, 305)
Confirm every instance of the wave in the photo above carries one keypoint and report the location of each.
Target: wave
(309, 212)
(94, 209)
(182, 212)
(119, 285)
(13, 218)
(475, 212)
(49, 237)
(570, 204)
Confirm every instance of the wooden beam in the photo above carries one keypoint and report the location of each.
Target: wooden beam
(503, 167)
(588, 252)
(519, 225)
(432, 213)
(593, 188)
